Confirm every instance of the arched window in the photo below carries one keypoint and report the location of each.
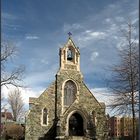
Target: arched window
(69, 92)
(45, 115)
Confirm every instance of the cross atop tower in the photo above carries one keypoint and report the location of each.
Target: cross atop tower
(69, 33)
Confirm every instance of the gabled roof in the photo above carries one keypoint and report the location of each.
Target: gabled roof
(73, 44)
(101, 104)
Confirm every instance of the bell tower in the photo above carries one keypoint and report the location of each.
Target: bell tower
(69, 56)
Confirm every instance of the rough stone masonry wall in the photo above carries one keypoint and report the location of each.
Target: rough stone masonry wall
(86, 103)
(34, 128)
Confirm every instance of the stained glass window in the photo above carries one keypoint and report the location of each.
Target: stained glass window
(69, 92)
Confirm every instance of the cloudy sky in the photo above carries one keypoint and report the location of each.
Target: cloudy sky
(39, 28)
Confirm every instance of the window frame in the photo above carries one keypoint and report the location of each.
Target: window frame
(42, 117)
(71, 92)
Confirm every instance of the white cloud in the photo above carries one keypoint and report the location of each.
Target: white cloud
(112, 6)
(38, 60)
(94, 55)
(113, 28)
(25, 93)
(47, 75)
(98, 35)
(135, 20)
(13, 26)
(90, 35)
(108, 20)
(136, 41)
(88, 31)
(44, 61)
(71, 27)
(134, 13)
(103, 95)
(8, 16)
(119, 19)
(121, 43)
(31, 37)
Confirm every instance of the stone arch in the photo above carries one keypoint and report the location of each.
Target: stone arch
(72, 81)
(76, 123)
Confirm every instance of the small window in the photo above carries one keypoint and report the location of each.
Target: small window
(45, 115)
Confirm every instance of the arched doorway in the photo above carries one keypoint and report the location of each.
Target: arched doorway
(76, 125)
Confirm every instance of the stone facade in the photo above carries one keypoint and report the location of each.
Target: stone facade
(71, 113)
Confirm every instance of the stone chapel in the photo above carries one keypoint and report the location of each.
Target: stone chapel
(66, 110)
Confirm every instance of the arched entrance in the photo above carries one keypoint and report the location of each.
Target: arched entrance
(76, 125)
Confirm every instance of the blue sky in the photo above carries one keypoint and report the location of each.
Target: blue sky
(39, 28)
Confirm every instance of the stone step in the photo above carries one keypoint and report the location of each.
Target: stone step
(76, 138)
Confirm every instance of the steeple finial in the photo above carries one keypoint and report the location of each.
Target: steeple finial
(69, 33)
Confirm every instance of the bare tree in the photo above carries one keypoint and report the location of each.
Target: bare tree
(3, 103)
(16, 104)
(125, 76)
(14, 76)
